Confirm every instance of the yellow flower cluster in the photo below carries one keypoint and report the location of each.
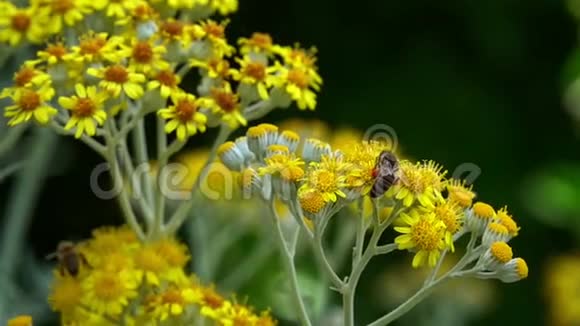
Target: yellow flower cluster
(136, 65)
(122, 280)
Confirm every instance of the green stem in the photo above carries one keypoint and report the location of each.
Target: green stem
(10, 138)
(182, 212)
(142, 157)
(288, 260)
(323, 260)
(20, 209)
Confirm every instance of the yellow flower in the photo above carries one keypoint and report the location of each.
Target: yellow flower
(166, 81)
(66, 293)
(53, 53)
(29, 103)
(95, 47)
(297, 82)
(227, 103)
(181, 4)
(451, 215)
(172, 30)
(215, 34)
(23, 320)
(506, 220)
(363, 159)
(86, 110)
(422, 182)
(561, 289)
(214, 67)
(144, 55)
(108, 293)
(28, 76)
(237, 314)
(285, 165)
(255, 72)
(224, 7)
(117, 80)
(257, 43)
(115, 8)
(174, 252)
(424, 234)
(184, 116)
(65, 12)
(22, 24)
(171, 302)
(328, 182)
(460, 193)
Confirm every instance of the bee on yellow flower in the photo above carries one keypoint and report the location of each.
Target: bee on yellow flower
(184, 115)
(362, 156)
(118, 79)
(22, 24)
(86, 110)
(30, 103)
(255, 71)
(422, 182)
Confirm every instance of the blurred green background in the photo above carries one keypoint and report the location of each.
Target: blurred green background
(460, 81)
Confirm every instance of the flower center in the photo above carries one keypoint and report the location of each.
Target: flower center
(483, 210)
(92, 45)
(212, 299)
(172, 253)
(20, 22)
(227, 101)
(501, 251)
(62, 6)
(149, 260)
(298, 78)
(219, 66)
(522, 268)
(261, 40)
(142, 52)
(84, 107)
(172, 297)
(108, 287)
(426, 235)
(167, 78)
(312, 202)
(172, 28)
(185, 110)
(24, 76)
(449, 218)
(325, 181)
(117, 74)
(214, 30)
(143, 11)
(255, 70)
(29, 100)
(56, 50)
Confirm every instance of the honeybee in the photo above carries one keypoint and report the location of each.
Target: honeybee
(69, 258)
(386, 173)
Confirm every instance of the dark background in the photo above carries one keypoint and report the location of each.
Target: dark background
(459, 81)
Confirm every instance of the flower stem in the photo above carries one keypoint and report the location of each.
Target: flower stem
(288, 259)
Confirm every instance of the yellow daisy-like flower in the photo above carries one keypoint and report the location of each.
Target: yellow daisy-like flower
(66, 293)
(29, 103)
(424, 234)
(23, 320)
(174, 252)
(452, 215)
(237, 314)
(166, 81)
(95, 47)
(86, 110)
(65, 13)
(22, 24)
(285, 165)
(506, 220)
(214, 67)
(299, 57)
(144, 55)
(227, 103)
(118, 79)
(363, 159)
(108, 293)
(215, 33)
(460, 193)
(422, 182)
(255, 72)
(184, 116)
(28, 76)
(172, 30)
(257, 43)
(171, 302)
(116, 8)
(151, 266)
(298, 82)
(53, 53)
(328, 182)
